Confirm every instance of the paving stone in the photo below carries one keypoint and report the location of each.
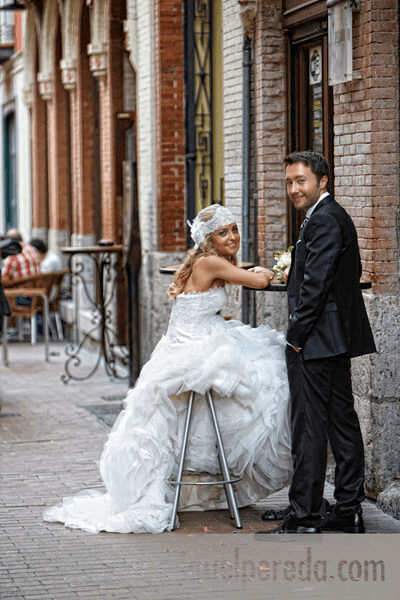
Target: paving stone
(50, 451)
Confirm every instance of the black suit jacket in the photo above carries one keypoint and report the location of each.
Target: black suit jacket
(327, 311)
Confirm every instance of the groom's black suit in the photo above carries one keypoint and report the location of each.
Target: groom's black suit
(328, 321)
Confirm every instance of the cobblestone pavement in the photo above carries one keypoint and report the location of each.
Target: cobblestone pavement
(50, 444)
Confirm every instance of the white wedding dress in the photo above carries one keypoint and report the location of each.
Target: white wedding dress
(245, 367)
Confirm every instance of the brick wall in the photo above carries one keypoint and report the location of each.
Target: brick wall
(83, 149)
(113, 102)
(75, 168)
(233, 101)
(270, 89)
(170, 134)
(106, 155)
(39, 162)
(58, 151)
(366, 130)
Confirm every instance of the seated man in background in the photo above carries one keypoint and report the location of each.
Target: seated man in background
(8, 247)
(50, 261)
(20, 265)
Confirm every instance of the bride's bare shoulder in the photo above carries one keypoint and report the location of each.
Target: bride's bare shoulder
(209, 260)
(208, 265)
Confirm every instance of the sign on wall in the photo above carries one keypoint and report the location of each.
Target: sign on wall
(315, 65)
(340, 40)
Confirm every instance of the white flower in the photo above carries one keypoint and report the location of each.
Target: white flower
(283, 262)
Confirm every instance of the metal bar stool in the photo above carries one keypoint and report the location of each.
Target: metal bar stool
(226, 481)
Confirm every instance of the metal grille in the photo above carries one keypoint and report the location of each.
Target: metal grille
(203, 102)
(198, 81)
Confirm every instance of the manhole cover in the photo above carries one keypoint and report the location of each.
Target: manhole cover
(105, 414)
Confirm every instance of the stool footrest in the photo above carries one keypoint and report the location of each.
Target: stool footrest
(214, 482)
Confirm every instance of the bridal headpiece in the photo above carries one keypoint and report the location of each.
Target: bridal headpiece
(200, 229)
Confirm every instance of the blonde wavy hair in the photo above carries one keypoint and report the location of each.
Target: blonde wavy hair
(206, 248)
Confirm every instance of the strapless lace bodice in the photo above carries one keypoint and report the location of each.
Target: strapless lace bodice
(194, 315)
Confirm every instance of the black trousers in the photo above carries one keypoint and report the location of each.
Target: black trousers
(322, 409)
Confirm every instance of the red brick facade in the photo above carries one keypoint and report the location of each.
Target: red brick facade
(113, 103)
(366, 135)
(81, 173)
(170, 132)
(270, 107)
(76, 171)
(58, 152)
(65, 163)
(39, 162)
(83, 139)
(366, 117)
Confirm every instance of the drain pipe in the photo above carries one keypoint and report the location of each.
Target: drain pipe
(246, 147)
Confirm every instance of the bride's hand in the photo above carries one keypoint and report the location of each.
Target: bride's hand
(267, 272)
(286, 275)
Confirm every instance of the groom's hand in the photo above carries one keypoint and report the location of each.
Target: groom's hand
(295, 348)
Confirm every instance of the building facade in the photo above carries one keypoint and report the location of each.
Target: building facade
(205, 98)
(15, 205)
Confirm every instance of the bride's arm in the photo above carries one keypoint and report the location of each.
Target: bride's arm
(209, 268)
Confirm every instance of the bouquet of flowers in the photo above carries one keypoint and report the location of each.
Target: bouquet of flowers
(282, 266)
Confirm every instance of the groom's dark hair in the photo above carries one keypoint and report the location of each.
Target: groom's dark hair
(317, 163)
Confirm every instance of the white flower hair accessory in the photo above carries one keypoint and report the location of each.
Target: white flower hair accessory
(200, 229)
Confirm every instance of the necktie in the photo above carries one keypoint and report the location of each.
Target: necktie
(304, 223)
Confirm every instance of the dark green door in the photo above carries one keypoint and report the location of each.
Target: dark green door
(10, 173)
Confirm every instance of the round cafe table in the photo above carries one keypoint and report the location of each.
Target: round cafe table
(172, 269)
(282, 287)
(272, 287)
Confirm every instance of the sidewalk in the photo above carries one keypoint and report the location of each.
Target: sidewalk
(51, 441)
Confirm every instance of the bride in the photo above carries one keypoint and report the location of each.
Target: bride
(244, 366)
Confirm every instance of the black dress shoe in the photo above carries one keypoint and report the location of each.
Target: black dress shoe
(291, 525)
(352, 523)
(276, 514)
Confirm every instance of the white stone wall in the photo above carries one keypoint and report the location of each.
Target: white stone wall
(24, 187)
(146, 124)
(233, 125)
(143, 26)
(376, 385)
(233, 100)
(12, 100)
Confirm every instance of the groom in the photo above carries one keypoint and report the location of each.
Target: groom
(328, 325)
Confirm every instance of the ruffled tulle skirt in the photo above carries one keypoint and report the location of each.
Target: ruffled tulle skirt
(245, 367)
